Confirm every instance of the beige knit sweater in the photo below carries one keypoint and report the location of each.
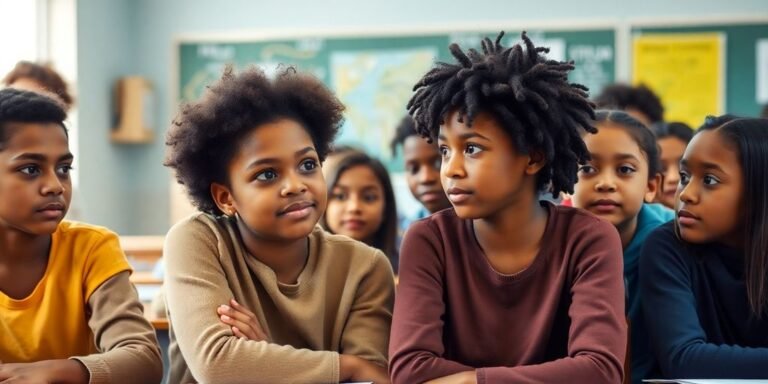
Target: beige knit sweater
(342, 303)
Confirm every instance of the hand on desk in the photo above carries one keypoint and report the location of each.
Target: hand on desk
(243, 322)
(44, 372)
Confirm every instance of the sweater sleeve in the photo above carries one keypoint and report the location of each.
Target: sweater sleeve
(196, 286)
(597, 338)
(416, 345)
(669, 304)
(366, 332)
(127, 342)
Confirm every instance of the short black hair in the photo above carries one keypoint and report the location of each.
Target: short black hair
(644, 138)
(405, 129)
(18, 106)
(528, 94)
(205, 135)
(385, 237)
(623, 96)
(674, 129)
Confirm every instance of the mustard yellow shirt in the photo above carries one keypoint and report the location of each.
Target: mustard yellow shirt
(52, 322)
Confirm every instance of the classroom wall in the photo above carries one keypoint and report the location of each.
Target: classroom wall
(122, 37)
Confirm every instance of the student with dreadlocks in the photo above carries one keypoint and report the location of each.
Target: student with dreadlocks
(505, 288)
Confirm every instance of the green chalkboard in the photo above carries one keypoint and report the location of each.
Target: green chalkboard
(374, 75)
(740, 60)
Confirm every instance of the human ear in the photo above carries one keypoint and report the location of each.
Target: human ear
(223, 198)
(536, 162)
(653, 189)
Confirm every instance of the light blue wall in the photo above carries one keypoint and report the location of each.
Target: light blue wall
(121, 37)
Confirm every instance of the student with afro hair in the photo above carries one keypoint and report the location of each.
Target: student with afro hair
(256, 290)
(504, 288)
(68, 311)
(638, 101)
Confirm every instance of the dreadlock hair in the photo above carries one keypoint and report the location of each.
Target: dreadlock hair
(18, 106)
(44, 75)
(404, 130)
(528, 94)
(623, 96)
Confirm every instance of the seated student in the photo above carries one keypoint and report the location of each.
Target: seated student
(672, 139)
(638, 101)
(68, 313)
(422, 169)
(361, 203)
(618, 184)
(704, 276)
(503, 287)
(256, 290)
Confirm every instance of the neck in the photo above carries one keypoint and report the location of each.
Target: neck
(18, 247)
(627, 232)
(514, 230)
(285, 257)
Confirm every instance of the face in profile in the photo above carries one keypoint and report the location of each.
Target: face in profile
(672, 150)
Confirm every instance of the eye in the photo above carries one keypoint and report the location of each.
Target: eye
(711, 180)
(412, 169)
(437, 163)
(340, 196)
(65, 169)
(443, 151)
(684, 178)
(308, 165)
(267, 175)
(626, 170)
(472, 149)
(30, 170)
(370, 197)
(587, 169)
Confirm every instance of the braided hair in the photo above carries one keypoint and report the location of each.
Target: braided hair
(528, 94)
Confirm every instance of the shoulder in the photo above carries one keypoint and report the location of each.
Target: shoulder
(443, 224)
(657, 212)
(81, 240)
(579, 225)
(663, 248)
(70, 231)
(348, 254)
(198, 225)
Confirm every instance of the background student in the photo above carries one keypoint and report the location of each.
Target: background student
(672, 139)
(638, 101)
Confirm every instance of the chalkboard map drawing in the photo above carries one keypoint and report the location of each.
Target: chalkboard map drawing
(375, 87)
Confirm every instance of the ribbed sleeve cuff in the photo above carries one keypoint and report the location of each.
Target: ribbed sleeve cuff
(98, 369)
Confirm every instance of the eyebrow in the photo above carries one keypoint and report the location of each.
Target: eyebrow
(466, 136)
(40, 157)
(705, 165)
(619, 156)
(272, 160)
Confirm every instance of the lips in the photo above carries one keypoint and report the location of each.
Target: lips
(52, 211)
(353, 224)
(687, 218)
(458, 196)
(431, 196)
(604, 205)
(298, 210)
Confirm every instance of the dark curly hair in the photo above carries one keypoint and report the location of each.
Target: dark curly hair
(205, 135)
(527, 93)
(405, 129)
(623, 96)
(18, 106)
(43, 74)
(643, 137)
(676, 129)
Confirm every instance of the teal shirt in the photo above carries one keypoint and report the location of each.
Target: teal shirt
(650, 217)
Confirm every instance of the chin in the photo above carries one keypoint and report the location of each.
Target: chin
(469, 212)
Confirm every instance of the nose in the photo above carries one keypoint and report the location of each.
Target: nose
(428, 175)
(52, 184)
(689, 193)
(354, 204)
(453, 167)
(293, 185)
(606, 183)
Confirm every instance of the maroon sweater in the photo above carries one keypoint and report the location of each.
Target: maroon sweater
(561, 320)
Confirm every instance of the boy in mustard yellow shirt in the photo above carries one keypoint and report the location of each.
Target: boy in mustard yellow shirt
(68, 313)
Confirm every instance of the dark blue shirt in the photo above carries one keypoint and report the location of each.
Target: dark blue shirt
(696, 310)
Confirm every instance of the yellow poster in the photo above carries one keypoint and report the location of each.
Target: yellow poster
(687, 71)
